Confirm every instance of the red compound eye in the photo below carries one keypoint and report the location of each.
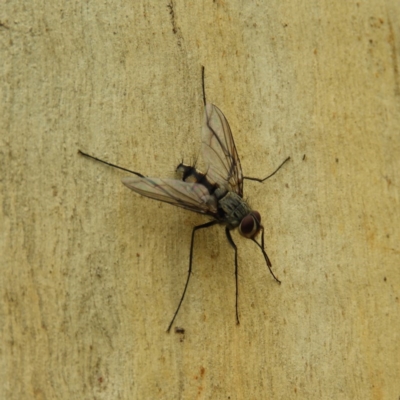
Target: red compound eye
(250, 225)
(257, 215)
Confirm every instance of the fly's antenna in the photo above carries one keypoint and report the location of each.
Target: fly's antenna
(203, 84)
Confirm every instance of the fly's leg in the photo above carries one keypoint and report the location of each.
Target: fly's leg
(208, 224)
(269, 176)
(267, 260)
(111, 165)
(232, 243)
(203, 85)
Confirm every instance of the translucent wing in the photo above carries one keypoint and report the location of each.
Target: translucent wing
(191, 196)
(219, 151)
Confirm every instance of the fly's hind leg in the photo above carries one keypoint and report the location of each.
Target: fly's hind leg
(206, 225)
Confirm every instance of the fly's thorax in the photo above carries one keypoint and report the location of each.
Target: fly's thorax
(233, 208)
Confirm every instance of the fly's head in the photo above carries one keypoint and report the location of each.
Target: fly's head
(250, 225)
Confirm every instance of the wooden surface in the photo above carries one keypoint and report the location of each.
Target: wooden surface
(91, 273)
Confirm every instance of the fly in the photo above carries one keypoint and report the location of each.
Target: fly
(217, 193)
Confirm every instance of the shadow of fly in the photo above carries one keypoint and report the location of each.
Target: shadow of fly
(217, 193)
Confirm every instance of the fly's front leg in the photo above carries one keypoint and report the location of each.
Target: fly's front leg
(232, 243)
(267, 260)
(206, 225)
(269, 176)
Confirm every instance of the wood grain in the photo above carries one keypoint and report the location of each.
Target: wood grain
(91, 273)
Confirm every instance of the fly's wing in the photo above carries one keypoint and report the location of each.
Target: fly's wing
(219, 151)
(191, 196)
